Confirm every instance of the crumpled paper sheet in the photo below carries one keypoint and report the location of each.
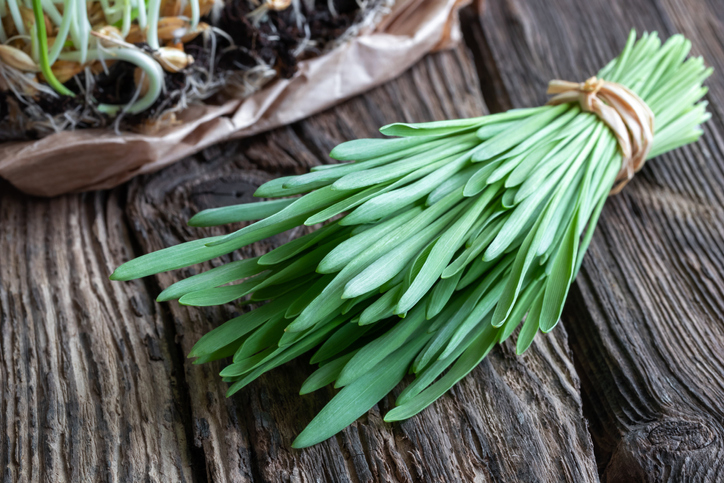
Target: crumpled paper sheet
(91, 159)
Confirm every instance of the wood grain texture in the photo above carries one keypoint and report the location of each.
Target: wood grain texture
(87, 376)
(95, 386)
(645, 315)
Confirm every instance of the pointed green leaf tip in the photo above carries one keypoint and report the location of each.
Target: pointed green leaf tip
(356, 399)
(469, 227)
(172, 258)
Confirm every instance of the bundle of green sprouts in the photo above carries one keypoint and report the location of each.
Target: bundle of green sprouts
(57, 57)
(434, 245)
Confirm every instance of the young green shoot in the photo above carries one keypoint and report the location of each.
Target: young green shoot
(435, 246)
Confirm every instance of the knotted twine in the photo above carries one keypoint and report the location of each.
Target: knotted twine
(625, 113)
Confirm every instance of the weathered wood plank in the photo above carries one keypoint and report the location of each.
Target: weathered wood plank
(71, 362)
(645, 316)
(88, 384)
(512, 419)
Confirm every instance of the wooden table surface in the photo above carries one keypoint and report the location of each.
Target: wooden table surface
(94, 381)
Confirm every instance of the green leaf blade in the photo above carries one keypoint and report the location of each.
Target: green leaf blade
(359, 397)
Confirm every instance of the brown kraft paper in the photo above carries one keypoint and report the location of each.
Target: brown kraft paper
(91, 159)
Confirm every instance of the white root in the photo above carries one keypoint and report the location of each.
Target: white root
(142, 20)
(68, 10)
(73, 21)
(154, 7)
(84, 29)
(195, 14)
(17, 18)
(126, 25)
(138, 58)
(52, 12)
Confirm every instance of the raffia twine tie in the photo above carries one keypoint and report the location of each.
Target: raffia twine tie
(628, 116)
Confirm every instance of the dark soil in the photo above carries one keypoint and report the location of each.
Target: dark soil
(273, 40)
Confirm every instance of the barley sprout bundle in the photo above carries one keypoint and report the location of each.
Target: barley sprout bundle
(434, 245)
